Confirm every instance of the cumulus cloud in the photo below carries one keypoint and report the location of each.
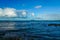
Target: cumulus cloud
(33, 14)
(11, 12)
(22, 13)
(1, 12)
(39, 6)
(8, 12)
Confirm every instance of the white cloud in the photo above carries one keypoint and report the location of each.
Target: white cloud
(10, 12)
(1, 12)
(24, 13)
(39, 6)
(33, 14)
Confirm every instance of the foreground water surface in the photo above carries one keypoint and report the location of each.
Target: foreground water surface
(37, 30)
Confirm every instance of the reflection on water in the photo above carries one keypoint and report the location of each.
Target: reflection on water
(30, 30)
(7, 25)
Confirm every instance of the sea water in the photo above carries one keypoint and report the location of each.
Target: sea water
(31, 30)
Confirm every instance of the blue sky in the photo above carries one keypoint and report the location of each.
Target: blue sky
(37, 9)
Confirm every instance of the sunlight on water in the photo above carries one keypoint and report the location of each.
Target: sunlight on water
(7, 25)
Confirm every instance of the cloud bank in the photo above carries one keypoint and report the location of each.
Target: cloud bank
(48, 16)
(11, 12)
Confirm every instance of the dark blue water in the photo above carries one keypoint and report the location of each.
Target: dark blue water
(29, 30)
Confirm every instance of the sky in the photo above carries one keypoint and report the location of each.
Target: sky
(30, 9)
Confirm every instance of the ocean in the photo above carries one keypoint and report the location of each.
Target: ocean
(31, 30)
